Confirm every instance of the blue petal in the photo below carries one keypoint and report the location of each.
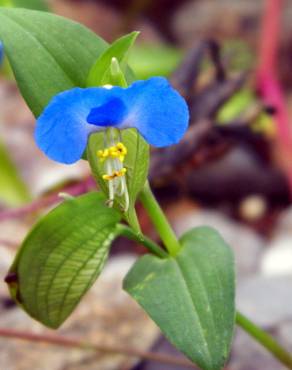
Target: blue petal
(111, 113)
(157, 111)
(153, 107)
(62, 129)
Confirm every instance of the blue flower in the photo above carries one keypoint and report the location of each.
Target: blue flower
(153, 107)
(1, 53)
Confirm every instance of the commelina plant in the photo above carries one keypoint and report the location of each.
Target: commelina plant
(88, 105)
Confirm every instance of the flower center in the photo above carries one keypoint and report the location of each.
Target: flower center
(112, 157)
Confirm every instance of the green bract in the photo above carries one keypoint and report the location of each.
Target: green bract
(136, 162)
(100, 73)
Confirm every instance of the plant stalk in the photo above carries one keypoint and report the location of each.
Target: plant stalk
(142, 239)
(265, 339)
(159, 220)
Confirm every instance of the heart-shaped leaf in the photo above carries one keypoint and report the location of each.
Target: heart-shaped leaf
(190, 296)
(136, 162)
(62, 257)
(48, 53)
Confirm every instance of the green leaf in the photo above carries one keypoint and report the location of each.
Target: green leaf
(31, 4)
(6, 3)
(100, 73)
(191, 296)
(136, 162)
(13, 191)
(48, 53)
(28, 4)
(62, 257)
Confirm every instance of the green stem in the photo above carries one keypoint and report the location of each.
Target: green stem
(159, 220)
(264, 339)
(140, 238)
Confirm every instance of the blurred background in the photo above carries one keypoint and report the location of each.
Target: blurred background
(232, 61)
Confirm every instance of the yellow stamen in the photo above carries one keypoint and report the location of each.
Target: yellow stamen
(117, 151)
(112, 158)
(115, 174)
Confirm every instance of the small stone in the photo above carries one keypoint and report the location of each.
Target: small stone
(253, 207)
(266, 300)
(277, 259)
